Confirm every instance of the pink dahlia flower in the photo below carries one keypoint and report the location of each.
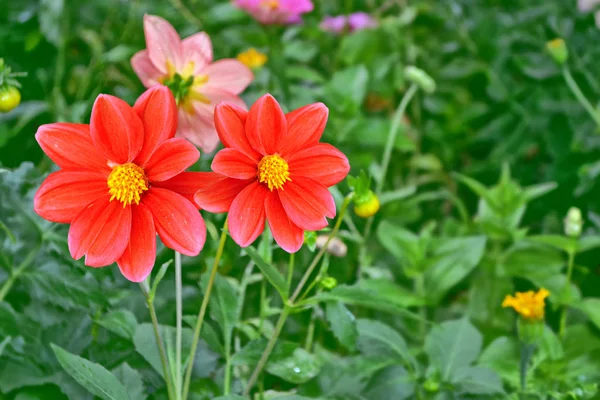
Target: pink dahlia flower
(334, 24)
(360, 20)
(187, 67)
(281, 12)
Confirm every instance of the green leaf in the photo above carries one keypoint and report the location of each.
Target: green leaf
(250, 354)
(347, 89)
(590, 242)
(404, 245)
(298, 368)
(450, 262)
(377, 339)
(531, 260)
(539, 190)
(119, 322)
(131, 380)
(273, 276)
(50, 15)
(390, 383)
(223, 305)
(564, 243)
(304, 73)
(230, 397)
(343, 324)
(477, 380)
(398, 194)
(501, 356)
(453, 345)
(591, 308)
(3, 344)
(95, 378)
(208, 334)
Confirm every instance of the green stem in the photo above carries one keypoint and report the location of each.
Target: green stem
(310, 334)
(579, 95)
(17, 272)
(227, 382)
(290, 271)
(287, 308)
(202, 312)
(563, 313)
(526, 353)
(159, 342)
(420, 290)
(178, 325)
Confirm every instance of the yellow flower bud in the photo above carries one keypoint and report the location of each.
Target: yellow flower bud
(366, 206)
(558, 50)
(10, 98)
(252, 58)
(530, 305)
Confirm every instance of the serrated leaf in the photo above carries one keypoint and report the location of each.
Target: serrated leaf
(378, 339)
(453, 345)
(94, 377)
(298, 368)
(131, 380)
(208, 334)
(273, 276)
(343, 324)
(390, 383)
(119, 322)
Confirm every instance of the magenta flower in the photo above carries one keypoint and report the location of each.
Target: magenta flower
(186, 66)
(334, 24)
(360, 20)
(271, 12)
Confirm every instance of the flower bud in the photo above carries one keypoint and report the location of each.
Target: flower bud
(328, 282)
(431, 385)
(336, 246)
(10, 97)
(558, 50)
(573, 222)
(252, 58)
(367, 205)
(530, 331)
(420, 78)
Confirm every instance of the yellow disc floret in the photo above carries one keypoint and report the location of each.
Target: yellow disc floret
(271, 4)
(273, 171)
(530, 305)
(126, 183)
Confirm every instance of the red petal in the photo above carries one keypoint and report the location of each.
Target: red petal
(63, 194)
(157, 109)
(230, 122)
(185, 184)
(266, 125)
(217, 192)
(246, 218)
(171, 158)
(116, 130)
(307, 203)
(322, 162)
(287, 234)
(70, 146)
(234, 164)
(138, 258)
(100, 231)
(305, 127)
(177, 221)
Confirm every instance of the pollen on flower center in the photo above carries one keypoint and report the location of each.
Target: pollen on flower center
(271, 4)
(126, 183)
(273, 171)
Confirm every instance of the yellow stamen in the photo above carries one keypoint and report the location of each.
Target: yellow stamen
(530, 305)
(252, 58)
(274, 171)
(271, 4)
(126, 183)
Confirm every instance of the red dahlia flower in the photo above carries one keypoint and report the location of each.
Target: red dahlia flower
(121, 182)
(273, 167)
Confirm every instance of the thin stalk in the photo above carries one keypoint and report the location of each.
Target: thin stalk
(186, 13)
(227, 382)
(579, 95)
(159, 341)
(526, 353)
(310, 334)
(290, 271)
(178, 324)
(563, 313)
(17, 272)
(420, 290)
(202, 312)
(287, 308)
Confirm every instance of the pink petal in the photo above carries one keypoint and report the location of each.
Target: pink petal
(145, 69)
(172, 157)
(185, 184)
(287, 234)
(198, 49)
(101, 232)
(307, 203)
(177, 221)
(216, 192)
(163, 43)
(70, 146)
(137, 260)
(265, 125)
(229, 75)
(234, 164)
(157, 109)
(63, 194)
(246, 218)
(322, 162)
(116, 130)
(305, 127)
(199, 130)
(230, 122)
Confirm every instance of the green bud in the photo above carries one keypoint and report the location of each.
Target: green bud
(530, 331)
(558, 50)
(420, 77)
(431, 385)
(573, 222)
(367, 205)
(328, 283)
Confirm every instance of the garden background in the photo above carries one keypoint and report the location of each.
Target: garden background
(408, 303)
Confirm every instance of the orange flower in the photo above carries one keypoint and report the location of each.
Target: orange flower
(530, 305)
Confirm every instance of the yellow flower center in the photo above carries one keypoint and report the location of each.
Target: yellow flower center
(274, 171)
(271, 4)
(126, 183)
